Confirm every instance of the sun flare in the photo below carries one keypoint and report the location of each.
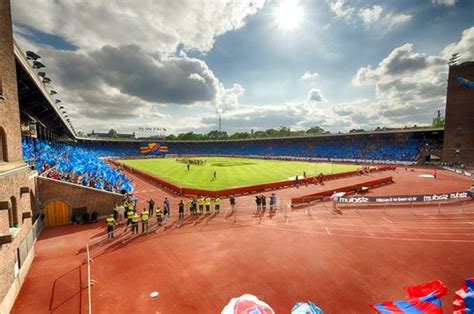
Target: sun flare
(289, 14)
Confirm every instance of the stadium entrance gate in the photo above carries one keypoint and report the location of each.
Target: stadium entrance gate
(57, 214)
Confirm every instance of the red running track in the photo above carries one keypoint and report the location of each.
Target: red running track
(342, 262)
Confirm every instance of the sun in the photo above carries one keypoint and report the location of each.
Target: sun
(288, 14)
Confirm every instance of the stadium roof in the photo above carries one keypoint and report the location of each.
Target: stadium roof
(35, 100)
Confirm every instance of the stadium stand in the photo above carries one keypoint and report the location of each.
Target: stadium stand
(372, 146)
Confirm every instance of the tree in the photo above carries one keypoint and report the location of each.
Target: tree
(171, 137)
(315, 130)
(438, 122)
(112, 133)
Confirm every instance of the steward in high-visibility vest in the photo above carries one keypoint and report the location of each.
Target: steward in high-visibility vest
(130, 214)
(190, 206)
(159, 216)
(217, 204)
(201, 205)
(135, 223)
(145, 215)
(208, 204)
(110, 226)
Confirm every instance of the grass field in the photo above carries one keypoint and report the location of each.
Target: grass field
(231, 172)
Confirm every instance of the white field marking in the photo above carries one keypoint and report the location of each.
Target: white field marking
(394, 224)
(381, 225)
(386, 219)
(394, 232)
(327, 231)
(366, 237)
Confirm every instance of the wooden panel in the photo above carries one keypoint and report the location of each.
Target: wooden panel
(57, 214)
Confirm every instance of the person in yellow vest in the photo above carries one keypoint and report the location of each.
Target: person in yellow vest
(159, 216)
(217, 204)
(190, 207)
(145, 214)
(135, 223)
(110, 226)
(201, 205)
(208, 204)
(130, 214)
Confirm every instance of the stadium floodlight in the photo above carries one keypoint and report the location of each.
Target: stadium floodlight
(32, 56)
(57, 101)
(53, 92)
(41, 74)
(38, 65)
(46, 80)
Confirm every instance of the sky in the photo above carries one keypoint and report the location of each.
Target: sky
(174, 64)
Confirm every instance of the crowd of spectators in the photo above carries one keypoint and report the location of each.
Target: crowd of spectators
(70, 163)
(341, 147)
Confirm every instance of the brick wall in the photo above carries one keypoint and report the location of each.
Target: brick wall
(459, 125)
(9, 108)
(76, 196)
(14, 173)
(10, 186)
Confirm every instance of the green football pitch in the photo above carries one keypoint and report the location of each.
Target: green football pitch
(231, 172)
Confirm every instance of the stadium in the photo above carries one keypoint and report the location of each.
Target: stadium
(262, 222)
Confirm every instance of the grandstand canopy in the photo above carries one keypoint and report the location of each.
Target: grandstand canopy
(36, 104)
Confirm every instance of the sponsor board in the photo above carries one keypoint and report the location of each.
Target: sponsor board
(404, 198)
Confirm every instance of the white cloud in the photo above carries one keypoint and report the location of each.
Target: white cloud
(316, 95)
(154, 25)
(342, 10)
(308, 76)
(370, 15)
(465, 47)
(444, 2)
(375, 15)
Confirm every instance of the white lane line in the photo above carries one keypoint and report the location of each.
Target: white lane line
(366, 237)
(386, 219)
(327, 231)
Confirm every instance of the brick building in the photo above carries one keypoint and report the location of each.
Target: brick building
(17, 181)
(459, 125)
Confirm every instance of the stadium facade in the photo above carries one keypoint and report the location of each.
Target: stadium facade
(459, 126)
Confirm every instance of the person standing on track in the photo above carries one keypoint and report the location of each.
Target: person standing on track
(151, 206)
(145, 216)
(159, 216)
(181, 209)
(166, 207)
(263, 199)
(190, 207)
(258, 202)
(273, 201)
(208, 204)
(135, 223)
(121, 213)
(110, 226)
(232, 203)
(195, 206)
(130, 214)
(217, 204)
(200, 202)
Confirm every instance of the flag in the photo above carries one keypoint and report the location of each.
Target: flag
(464, 298)
(149, 148)
(164, 149)
(424, 299)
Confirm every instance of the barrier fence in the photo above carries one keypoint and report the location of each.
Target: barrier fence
(27, 243)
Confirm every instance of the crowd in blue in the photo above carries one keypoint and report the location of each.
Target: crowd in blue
(363, 148)
(75, 164)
